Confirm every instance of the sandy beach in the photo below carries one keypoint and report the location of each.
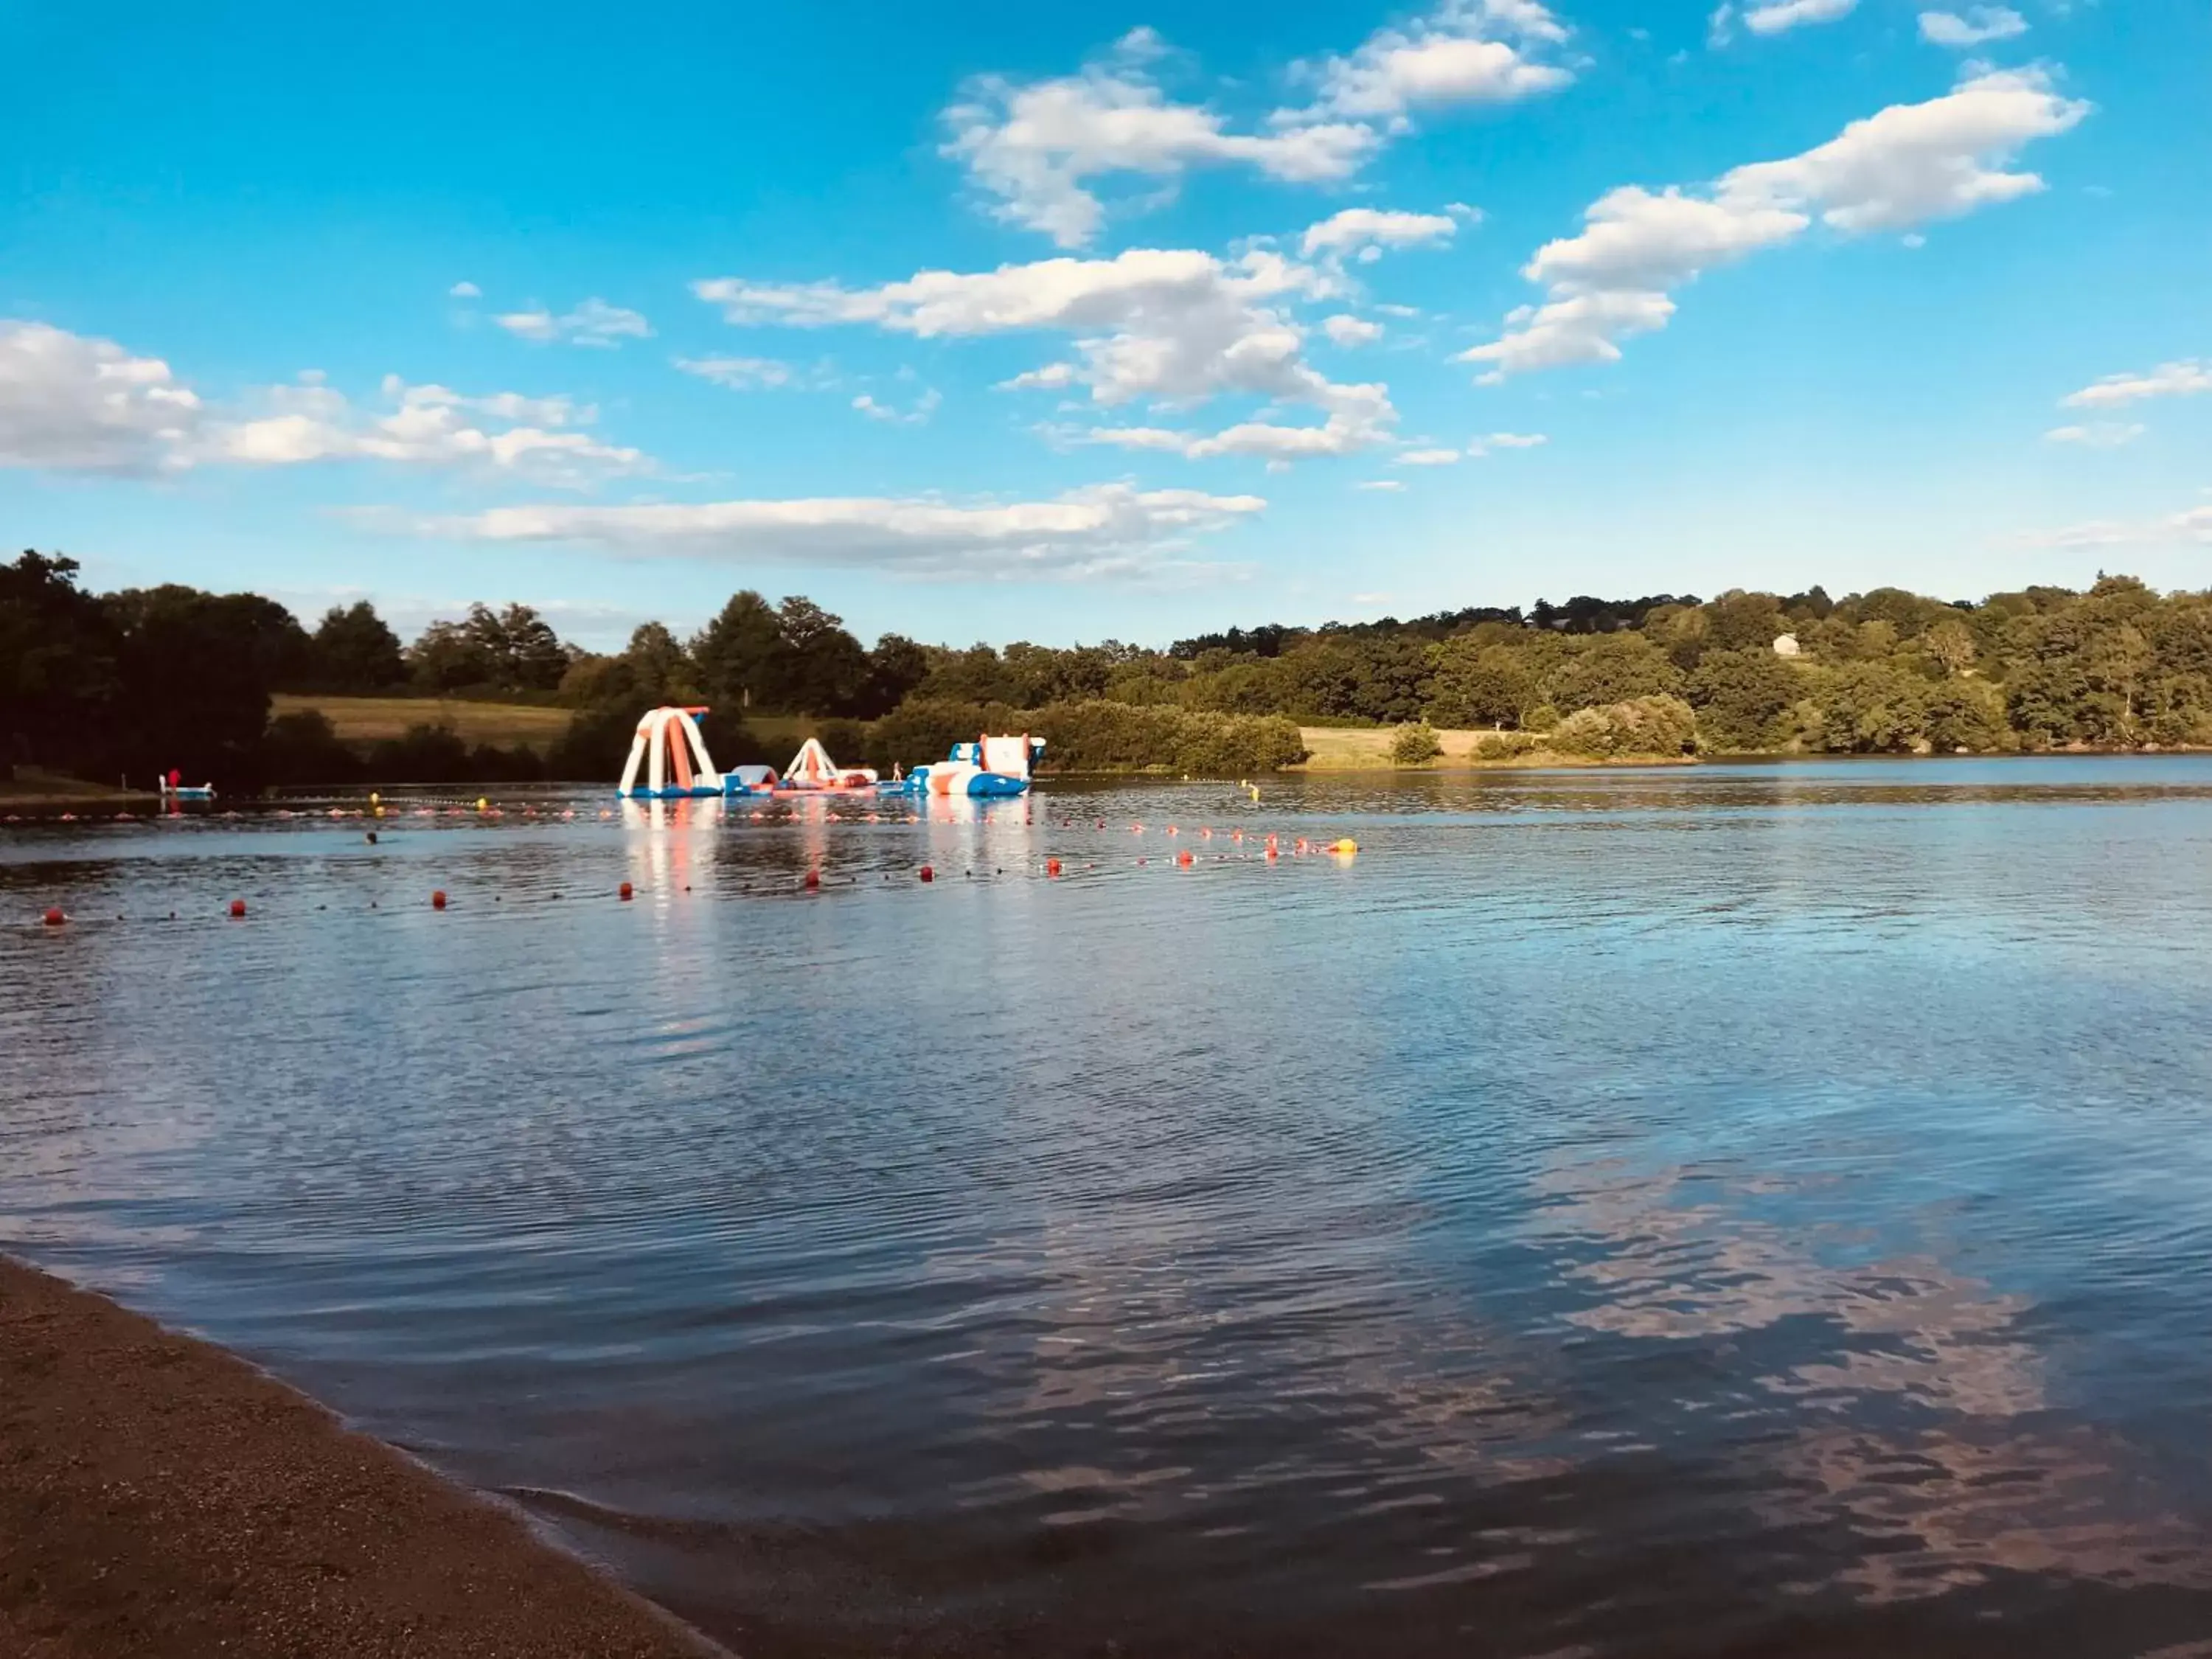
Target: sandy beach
(160, 1497)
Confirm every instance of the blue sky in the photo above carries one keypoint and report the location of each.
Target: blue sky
(1079, 321)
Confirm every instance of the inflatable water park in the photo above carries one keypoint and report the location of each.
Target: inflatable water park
(668, 761)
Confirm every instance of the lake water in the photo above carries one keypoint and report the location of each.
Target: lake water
(1719, 1209)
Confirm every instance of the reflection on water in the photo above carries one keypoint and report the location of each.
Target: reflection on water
(1698, 1209)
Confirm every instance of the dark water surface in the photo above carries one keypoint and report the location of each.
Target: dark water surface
(1735, 1210)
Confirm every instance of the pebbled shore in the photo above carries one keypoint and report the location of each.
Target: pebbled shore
(161, 1497)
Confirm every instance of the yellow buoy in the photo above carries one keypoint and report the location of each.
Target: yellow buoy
(1347, 846)
(482, 803)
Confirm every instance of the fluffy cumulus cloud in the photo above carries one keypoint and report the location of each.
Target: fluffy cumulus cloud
(74, 403)
(1385, 485)
(1782, 16)
(1170, 327)
(1427, 458)
(2097, 434)
(1977, 26)
(1465, 52)
(1037, 147)
(593, 323)
(2176, 380)
(464, 291)
(1348, 331)
(1907, 165)
(1507, 441)
(419, 426)
(1364, 233)
(71, 403)
(1108, 531)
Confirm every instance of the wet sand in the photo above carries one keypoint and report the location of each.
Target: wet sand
(160, 1497)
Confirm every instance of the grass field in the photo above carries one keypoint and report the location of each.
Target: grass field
(365, 719)
(1356, 748)
(1349, 749)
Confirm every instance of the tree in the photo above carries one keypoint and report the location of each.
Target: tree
(896, 667)
(1743, 699)
(354, 652)
(740, 654)
(447, 656)
(1950, 645)
(1478, 684)
(1612, 668)
(58, 674)
(826, 671)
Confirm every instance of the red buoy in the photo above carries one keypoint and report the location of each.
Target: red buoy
(1183, 859)
(812, 880)
(54, 917)
(1052, 867)
(438, 899)
(237, 909)
(927, 873)
(622, 892)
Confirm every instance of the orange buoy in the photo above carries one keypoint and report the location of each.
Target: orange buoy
(1052, 867)
(438, 898)
(1183, 859)
(54, 917)
(622, 892)
(237, 909)
(927, 873)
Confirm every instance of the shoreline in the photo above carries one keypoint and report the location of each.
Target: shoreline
(163, 1498)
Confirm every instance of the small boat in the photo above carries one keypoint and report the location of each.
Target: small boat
(173, 789)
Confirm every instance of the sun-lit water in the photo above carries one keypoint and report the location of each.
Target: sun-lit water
(1711, 1210)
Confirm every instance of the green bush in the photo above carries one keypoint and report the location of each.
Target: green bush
(301, 748)
(1641, 725)
(1415, 745)
(1505, 745)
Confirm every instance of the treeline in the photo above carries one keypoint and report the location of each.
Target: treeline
(98, 684)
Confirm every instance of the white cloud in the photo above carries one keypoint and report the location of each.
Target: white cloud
(739, 373)
(1907, 165)
(1106, 530)
(464, 291)
(2176, 380)
(1170, 327)
(1140, 437)
(1035, 146)
(423, 426)
(1507, 441)
(2191, 526)
(1465, 52)
(1979, 26)
(593, 323)
(1364, 230)
(1427, 458)
(67, 402)
(2097, 434)
(1349, 332)
(924, 407)
(1785, 14)
(1380, 484)
(73, 402)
